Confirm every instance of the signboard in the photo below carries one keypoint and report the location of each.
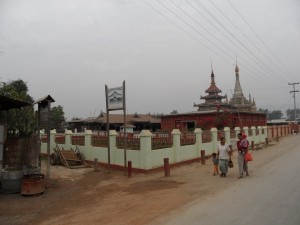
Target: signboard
(44, 114)
(115, 98)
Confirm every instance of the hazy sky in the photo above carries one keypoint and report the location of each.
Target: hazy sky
(163, 50)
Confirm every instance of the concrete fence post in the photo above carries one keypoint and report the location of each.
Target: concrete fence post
(113, 146)
(227, 135)
(68, 141)
(146, 148)
(253, 138)
(246, 130)
(52, 140)
(198, 134)
(176, 144)
(214, 133)
(260, 138)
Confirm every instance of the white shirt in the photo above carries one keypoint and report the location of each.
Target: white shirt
(223, 151)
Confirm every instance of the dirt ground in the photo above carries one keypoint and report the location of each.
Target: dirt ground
(84, 196)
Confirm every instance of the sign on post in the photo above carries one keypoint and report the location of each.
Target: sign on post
(115, 100)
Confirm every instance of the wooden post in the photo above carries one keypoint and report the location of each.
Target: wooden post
(267, 141)
(95, 164)
(252, 144)
(202, 157)
(166, 167)
(129, 169)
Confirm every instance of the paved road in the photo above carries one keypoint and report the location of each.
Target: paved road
(271, 197)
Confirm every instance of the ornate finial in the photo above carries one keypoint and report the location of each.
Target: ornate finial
(212, 74)
(236, 67)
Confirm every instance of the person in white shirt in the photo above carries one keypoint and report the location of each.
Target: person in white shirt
(224, 153)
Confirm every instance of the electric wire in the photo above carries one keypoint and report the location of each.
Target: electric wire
(254, 57)
(244, 66)
(261, 40)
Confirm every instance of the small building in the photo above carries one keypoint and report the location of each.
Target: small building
(116, 122)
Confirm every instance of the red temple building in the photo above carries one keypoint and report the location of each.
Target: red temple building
(214, 112)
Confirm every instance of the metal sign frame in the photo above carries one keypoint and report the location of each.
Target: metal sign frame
(116, 100)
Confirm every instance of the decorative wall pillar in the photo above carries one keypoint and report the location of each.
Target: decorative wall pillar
(227, 135)
(237, 131)
(113, 146)
(68, 141)
(214, 134)
(198, 134)
(246, 131)
(146, 148)
(52, 139)
(176, 144)
(253, 128)
(88, 138)
(260, 137)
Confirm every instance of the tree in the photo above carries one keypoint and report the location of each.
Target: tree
(57, 117)
(291, 113)
(19, 121)
(271, 115)
(275, 114)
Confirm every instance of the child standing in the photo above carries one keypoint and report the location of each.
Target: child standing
(215, 162)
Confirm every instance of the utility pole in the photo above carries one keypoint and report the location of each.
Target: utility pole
(294, 91)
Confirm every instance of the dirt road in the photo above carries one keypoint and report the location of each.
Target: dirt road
(84, 196)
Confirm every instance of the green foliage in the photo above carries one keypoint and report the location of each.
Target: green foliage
(271, 115)
(57, 117)
(19, 121)
(291, 113)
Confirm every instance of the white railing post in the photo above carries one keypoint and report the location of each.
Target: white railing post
(227, 135)
(113, 145)
(176, 144)
(260, 137)
(214, 135)
(146, 148)
(253, 128)
(198, 134)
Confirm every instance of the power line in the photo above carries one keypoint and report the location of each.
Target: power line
(245, 36)
(192, 27)
(190, 35)
(244, 66)
(294, 95)
(253, 56)
(261, 40)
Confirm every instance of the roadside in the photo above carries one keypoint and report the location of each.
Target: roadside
(83, 196)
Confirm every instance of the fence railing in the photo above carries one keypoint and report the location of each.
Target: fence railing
(206, 136)
(78, 140)
(132, 143)
(60, 139)
(187, 139)
(99, 140)
(161, 142)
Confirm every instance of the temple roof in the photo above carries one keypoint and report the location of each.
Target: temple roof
(238, 98)
(213, 88)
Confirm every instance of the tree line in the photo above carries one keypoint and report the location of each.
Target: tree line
(23, 121)
(277, 114)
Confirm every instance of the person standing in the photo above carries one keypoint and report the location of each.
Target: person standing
(242, 147)
(215, 162)
(224, 152)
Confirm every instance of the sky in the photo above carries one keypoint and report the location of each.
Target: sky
(164, 50)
